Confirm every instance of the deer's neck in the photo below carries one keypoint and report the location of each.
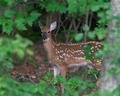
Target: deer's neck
(49, 45)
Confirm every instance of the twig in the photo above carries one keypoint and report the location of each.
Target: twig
(86, 22)
(90, 21)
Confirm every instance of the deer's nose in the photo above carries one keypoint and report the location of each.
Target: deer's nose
(44, 35)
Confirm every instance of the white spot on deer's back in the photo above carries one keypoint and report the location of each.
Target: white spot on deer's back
(96, 47)
(66, 49)
(92, 48)
(99, 45)
(61, 51)
(63, 54)
(60, 56)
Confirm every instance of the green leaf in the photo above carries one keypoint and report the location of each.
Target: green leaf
(95, 6)
(29, 52)
(78, 36)
(86, 28)
(33, 16)
(20, 23)
(7, 26)
(72, 6)
(52, 91)
(86, 49)
(42, 87)
(91, 35)
(100, 32)
(20, 53)
(9, 13)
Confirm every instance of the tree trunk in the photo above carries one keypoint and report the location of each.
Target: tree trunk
(107, 82)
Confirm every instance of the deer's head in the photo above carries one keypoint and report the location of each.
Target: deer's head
(46, 30)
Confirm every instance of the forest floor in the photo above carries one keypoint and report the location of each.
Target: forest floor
(32, 68)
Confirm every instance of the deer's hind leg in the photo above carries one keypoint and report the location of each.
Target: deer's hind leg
(63, 70)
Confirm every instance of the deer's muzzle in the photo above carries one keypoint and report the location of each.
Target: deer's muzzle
(44, 35)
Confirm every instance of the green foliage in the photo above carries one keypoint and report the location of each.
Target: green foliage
(13, 46)
(86, 50)
(21, 89)
(14, 17)
(19, 15)
(54, 6)
(46, 87)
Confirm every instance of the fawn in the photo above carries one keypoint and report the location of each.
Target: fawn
(67, 55)
(63, 55)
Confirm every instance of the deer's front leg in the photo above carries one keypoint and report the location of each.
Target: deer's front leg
(56, 70)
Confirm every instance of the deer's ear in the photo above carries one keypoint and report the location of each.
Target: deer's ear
(53, 26)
